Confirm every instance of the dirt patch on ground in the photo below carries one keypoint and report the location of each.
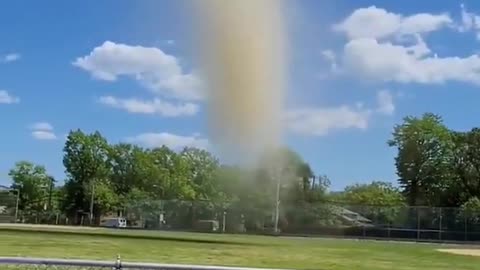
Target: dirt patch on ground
(469, 252)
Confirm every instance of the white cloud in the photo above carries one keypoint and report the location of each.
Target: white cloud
(43, 135)
(390, 47)
(11, 57)
(155, 106)
(321, 121)
(43, 131)
(44, 126)
(6, 98)
(173, 141)
(470, 21)
(424, 23)
(385, 102)
(386, 61)
(373, 22)
(154, 69)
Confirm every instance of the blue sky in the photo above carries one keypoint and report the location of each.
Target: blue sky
(126, 68)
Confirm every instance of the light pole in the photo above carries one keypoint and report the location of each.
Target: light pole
(277, 206)
(16, 204)
(276, 177)
(279, 174)
(92, 199)
(161, 212)
(50, 189)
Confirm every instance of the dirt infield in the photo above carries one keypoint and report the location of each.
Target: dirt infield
(469, 252)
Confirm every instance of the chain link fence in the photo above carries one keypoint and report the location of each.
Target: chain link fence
(322, 219)
(8, 205)
(306, 219)
(48, 264)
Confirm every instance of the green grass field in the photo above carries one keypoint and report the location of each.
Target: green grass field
(231, 250)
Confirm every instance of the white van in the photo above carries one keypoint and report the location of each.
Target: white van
(114, 223)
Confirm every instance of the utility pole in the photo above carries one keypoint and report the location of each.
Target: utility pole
(52, 180)
(92, 198)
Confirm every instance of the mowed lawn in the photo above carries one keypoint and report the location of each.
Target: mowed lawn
(231, 250)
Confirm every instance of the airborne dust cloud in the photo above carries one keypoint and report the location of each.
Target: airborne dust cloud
(243, 59)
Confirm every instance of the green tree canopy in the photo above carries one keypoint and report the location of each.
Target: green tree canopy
(33, 183)
(86, 164)
(424, 159)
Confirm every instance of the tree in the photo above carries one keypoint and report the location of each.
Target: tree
(170, 173)
(143, 208)
(470, 211)
(375, 193)
(86, 165)
(298, 194)
(378, 201)
(33, 184)
(306, 174)
(284, 166)
(202, 167)
(424, 159)
(309, 210)
(466, 166)
(123, 161)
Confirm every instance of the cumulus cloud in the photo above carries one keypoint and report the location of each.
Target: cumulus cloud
(11, 57)
(43, 131)
(389, 47)
(386, 61)
(173, 141)
(321, 121)
(154, 106)
(6, 98)
(373, 22)
(150, 66)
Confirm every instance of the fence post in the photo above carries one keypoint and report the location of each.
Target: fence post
(418, 223)
(224, 220)
(440, 233)
(465, 220)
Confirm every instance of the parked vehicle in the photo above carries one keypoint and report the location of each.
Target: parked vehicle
(114, 223)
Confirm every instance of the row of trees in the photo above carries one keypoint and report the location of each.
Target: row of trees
(435, 165)
(103, 177)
